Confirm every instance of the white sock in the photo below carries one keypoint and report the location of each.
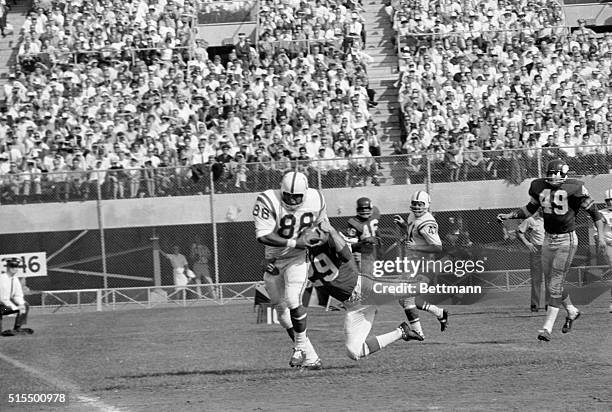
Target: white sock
(572, 311)
(551, 316)
(416, 326)
(389, 338)
(300, 339)
(433, 309)
(311, 354)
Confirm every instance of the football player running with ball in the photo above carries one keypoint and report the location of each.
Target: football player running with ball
(361, 234)
(334, 266)
(422, 242)
(280, 217)
(607, 218)
(560, 199)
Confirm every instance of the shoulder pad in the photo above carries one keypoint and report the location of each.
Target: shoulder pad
(575, 187)
(375, 213)
(354, 222)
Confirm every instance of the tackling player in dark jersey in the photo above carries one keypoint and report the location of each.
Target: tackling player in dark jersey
(560, 199)
(361, 234)
(334, 266)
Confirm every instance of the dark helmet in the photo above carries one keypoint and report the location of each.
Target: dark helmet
(364, 207)
(556, 172)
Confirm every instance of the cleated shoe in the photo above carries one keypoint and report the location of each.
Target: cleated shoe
(443, 320)
(409, 334)
(8, 332)
(567, 326)
(544, 335)
(313, 366)
(23, 331)
(297, 358)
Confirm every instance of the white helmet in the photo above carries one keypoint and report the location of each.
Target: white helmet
(293, 190)
(608, 197)
(419, 203)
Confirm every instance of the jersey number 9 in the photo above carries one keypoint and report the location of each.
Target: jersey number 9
(324, 265)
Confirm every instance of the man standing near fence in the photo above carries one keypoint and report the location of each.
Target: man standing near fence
(180, 267)
(12, 301)
(531, 233)
(200, 257)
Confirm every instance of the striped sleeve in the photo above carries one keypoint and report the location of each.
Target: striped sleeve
(322, 207)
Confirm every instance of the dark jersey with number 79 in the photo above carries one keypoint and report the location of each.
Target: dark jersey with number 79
(559, 204)
(336, 269)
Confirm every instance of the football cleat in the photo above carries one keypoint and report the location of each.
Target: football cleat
(567, 326)
(8, 332)
(409, 334)
(313, 366)
(23, 331)
(297, 358)
(443, 320)
(544, 335)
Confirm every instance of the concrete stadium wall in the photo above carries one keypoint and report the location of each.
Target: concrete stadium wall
(223, 34)
(595, 14)
(168, 211)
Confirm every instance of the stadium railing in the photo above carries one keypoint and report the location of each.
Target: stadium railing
(112, 299)
(78, 56)
(512, 165)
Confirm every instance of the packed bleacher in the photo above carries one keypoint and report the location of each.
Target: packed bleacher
(124, 99)
(486, 85)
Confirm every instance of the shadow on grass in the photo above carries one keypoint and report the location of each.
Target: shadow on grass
(225, 372)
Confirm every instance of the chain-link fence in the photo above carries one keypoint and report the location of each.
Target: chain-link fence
(219, 243)
(434, 166)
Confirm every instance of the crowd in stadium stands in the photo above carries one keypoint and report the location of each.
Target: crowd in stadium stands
(124, 98)
(496, 76)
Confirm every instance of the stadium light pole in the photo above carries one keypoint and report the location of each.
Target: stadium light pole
(101, 226)
(214, 233)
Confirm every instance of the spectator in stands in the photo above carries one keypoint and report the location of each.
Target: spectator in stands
(362, 166)
(473, 159)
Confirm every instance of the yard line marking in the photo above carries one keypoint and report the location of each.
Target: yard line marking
(71, 388)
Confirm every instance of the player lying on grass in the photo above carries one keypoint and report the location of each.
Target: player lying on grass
(333, 264)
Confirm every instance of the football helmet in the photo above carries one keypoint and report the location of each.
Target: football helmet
(419, 203)
(293, 190)
(608, 197)
(364, 207)
(556, 172)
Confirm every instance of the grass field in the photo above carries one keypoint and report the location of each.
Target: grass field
(215, 358)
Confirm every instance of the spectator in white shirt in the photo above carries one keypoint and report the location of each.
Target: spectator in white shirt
(12, 301)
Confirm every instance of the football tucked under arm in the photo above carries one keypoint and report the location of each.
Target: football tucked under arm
(313, 236)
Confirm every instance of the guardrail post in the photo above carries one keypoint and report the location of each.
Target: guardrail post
(428, 177)
(99, 300)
